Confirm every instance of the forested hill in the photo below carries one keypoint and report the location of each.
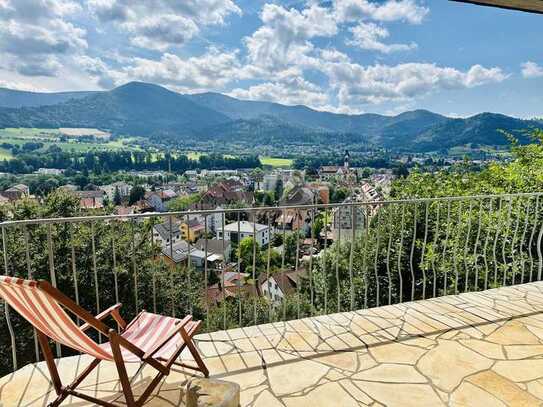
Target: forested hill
(17, 98)
(152, 111)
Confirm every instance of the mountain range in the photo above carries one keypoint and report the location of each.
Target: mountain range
(152, 111)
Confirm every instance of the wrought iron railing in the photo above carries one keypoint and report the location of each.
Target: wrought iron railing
(340, 257)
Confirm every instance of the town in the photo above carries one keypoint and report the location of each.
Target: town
(212, 240)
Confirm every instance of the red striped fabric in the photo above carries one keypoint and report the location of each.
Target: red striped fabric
(48, 316)
(147, 331)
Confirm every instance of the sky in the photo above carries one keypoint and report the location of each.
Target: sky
(345, 56)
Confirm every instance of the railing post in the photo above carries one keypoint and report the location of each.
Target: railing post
(411, 254)
(52, 272)
(30, 276)
(400, 277)
(423, 252)
(95, 273)
(6, 306)
(351, 257)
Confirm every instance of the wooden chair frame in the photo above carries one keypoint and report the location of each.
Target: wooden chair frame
(117, 342)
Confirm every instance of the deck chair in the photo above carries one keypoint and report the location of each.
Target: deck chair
(153, 339)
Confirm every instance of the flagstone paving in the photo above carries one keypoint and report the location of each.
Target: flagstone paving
(473, 349)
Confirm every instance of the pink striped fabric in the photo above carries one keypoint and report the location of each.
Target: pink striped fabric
(48, 316)
(147, 331)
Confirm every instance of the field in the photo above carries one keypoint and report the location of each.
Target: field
(50, 137)
(193, 155)
(469, 150)
(276, 162)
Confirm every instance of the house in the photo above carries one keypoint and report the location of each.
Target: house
(279, 285)
(163, 232)
(90, 199)
(167, 194)
(191, 174)
(269, 182)
(154, 199)
(215, 221)
(235, 284)
(321, 190)
(294, 219)
(342, 220)
(124, 210)
(123, 188)
(215, 246)
(299, 196)
(225, 193)
(192, 229)
(142, 206)
(246, 229)
(289, 220)
(16, 192)
(369, 193)
(49, 171)
(178, 254)
(328, 171)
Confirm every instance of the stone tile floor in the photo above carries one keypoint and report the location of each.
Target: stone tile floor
(474, 349)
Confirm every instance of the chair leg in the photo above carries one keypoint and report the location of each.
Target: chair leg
(121, 368)
(194, 352)
(50, 360)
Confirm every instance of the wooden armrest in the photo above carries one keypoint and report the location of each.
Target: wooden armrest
(178, 328)
(113, 311)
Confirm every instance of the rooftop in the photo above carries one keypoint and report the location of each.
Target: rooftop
(471, 349)
(244, 227)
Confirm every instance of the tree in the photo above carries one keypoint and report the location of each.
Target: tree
(245, 254)
(136, 194)
(117, 197)
(278, 191)
(183, 203)
(317, 227)
(401, 171)
(339, 195)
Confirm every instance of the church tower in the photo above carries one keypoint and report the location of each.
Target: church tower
(346, 160)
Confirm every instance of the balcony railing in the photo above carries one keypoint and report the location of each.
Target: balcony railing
(305, 260)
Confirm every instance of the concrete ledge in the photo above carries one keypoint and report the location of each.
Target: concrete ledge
(212, 393)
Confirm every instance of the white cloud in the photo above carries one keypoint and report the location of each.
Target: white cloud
(162, 24)
(357, 84)
(161, 32)
(290, 91)
(37, 10)
(26, 86)
(212, 70)
(391, 10)
(283, 38)
(55, 37)
(34, 35)
(333, 55)
(370, 35)
(99, 71)
(531, 70)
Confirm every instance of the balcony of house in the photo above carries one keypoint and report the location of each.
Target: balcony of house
(421, 302)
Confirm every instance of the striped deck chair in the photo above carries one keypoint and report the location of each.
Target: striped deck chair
(153, 339)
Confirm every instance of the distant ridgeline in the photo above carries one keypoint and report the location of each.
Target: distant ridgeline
(153, 112)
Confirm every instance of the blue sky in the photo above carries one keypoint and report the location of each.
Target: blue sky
(348, 56)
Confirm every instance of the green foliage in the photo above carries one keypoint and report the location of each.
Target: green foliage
(117, 199)
(246, 249)
(136, 193)
(183, 203)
